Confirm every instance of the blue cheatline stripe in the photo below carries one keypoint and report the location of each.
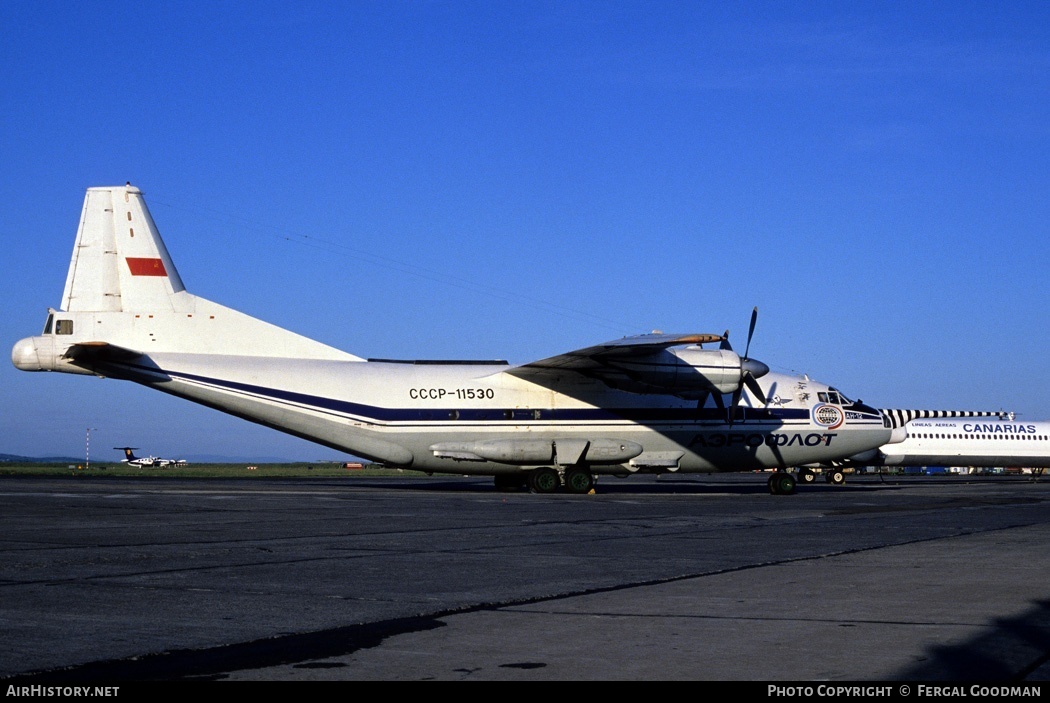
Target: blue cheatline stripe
(681, 415)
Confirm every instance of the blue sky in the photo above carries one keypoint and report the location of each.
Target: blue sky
(516, 179)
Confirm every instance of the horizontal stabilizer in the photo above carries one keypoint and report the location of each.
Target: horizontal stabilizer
(99, 351)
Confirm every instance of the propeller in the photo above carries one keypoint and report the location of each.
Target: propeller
(750, 369)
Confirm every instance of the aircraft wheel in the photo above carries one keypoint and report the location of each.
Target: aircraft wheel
(806, 476)
(784, 483)
(545, 480)
(836, 477)
(579, 480)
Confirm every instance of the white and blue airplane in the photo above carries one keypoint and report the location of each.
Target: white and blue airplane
(969, 442)
(948, 438)
(650, 403)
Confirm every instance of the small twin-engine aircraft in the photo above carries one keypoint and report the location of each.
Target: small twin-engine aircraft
(652, 403)
(147, 461)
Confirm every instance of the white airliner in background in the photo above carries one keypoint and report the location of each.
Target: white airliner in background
(969, 442)
(651, 403)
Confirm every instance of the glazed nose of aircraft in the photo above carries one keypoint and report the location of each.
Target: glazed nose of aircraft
(24, 355)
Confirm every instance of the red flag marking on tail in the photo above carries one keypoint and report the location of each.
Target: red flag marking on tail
(146, 267)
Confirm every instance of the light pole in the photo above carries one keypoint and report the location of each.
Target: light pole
(87, 447)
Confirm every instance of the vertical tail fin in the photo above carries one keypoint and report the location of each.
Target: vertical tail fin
(120, 263)
(122, 291)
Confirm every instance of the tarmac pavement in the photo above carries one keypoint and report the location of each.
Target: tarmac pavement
(669, 578)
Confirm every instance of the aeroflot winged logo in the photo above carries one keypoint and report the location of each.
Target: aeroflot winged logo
(828, 416)
(146, 267)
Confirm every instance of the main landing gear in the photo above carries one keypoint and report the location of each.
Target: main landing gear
(781, 483)
(547, 479)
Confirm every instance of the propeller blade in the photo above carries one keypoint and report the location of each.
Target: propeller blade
(751, 330)
(725, 342)
(756, 390)
(750, 370)
(735, 405)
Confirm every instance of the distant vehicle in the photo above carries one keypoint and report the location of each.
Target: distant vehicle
(148, 461)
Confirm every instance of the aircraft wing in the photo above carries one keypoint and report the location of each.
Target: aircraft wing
(592, 361)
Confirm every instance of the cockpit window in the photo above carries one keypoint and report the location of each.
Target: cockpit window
(63, 327)
(833, 396)
(47, 327)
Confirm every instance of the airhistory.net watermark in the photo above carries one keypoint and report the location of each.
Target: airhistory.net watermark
(37, 690)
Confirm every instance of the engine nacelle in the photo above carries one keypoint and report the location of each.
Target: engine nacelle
(690, 370)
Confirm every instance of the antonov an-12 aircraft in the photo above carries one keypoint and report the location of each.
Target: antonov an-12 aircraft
(651, 403)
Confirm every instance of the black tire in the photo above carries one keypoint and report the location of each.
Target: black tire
(785, 483)
(806, 476)
(836, 477)
(545, 480)
(579, 481)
